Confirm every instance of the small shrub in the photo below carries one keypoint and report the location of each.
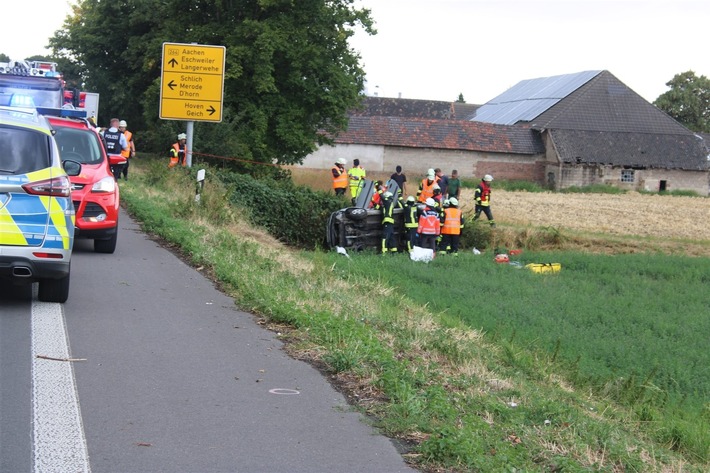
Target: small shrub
(294, 214)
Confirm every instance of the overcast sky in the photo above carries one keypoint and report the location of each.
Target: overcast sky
(436, 49)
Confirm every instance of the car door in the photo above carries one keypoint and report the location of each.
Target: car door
(25, 164)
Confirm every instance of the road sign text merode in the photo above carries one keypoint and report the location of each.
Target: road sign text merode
(192, 82)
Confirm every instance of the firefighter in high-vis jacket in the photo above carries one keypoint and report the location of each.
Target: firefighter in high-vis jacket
(357, 177)
(130, 152)
(426, 187)
(178, 151)
(388, 204)
(451, 228)
(411, 221)
(340, 177)
(482, 196)
(429, 225)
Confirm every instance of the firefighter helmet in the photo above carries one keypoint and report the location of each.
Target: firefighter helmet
(488, 178)
(454, 201)
(341, 161)
(182, 136)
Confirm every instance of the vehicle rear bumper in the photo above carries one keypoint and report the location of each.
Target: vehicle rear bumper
(30, 270)
(95, 233)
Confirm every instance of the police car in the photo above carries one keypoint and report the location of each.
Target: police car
(36, 211)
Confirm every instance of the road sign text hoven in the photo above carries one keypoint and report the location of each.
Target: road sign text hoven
(192, 82)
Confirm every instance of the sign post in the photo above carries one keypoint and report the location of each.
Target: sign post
(192, 84)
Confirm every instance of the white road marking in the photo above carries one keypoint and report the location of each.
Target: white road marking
(58, 433)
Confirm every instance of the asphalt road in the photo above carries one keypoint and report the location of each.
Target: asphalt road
(169, 376)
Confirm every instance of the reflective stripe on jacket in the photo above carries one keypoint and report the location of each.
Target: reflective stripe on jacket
(340, 178)
(429, 223)
(177, 155)
(387, 210)
(126, 153)
(410, 216)
(482, 194)
(426, 190)
(452, 221)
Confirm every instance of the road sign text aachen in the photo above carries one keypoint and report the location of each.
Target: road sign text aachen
(192, 82)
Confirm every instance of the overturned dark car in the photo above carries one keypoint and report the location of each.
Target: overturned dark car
(359, 227)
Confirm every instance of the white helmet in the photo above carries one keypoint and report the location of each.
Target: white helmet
(122, 123)
(430, 202)
(488, 178)
(436, 187)
(430, 174)
(454, 201)
(387, 195)
(182, 136)
(446, 202)
(341, 161)
(411, 199)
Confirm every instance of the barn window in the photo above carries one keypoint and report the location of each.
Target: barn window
(627, 175)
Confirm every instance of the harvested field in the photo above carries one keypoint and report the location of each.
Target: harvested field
(607, 222)
(684, 218)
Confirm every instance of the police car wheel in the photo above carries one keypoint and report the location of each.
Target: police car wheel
(355, 213)
(53, 290)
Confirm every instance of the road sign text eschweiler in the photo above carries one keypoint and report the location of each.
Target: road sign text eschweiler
(192, 82)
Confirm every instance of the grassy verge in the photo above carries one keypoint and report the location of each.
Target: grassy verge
(461, 401)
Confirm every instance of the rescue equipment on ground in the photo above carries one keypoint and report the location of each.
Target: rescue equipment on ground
(544, 267)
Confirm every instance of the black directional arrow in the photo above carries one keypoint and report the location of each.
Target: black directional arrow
(172, 85)
(211, 110)
(173, 62)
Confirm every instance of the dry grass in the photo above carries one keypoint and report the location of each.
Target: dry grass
(608, 223)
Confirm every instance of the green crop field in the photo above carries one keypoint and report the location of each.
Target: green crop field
(634, 327)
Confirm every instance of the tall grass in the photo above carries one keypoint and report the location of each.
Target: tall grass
(398, 337)
(633, 328)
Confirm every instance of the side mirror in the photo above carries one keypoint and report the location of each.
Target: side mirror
(72, 168)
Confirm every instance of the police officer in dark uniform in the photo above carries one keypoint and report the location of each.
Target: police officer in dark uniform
(115, 142)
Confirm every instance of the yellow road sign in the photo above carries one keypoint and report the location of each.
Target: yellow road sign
(192, 82)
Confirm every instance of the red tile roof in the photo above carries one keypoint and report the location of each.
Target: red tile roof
(440, 134)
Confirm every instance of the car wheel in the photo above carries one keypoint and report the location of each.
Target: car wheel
(106, 246)
(54, 290)
(356, 213)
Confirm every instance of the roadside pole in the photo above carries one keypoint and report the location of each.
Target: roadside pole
(188, 145)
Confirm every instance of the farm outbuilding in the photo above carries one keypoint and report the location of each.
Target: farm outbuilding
(562, 131)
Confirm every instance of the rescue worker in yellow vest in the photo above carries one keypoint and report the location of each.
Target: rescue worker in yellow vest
(411, 221)
(451, 229)
(178, 152)
(482, 195)
(426, 187)
(130, 152)
(340, 177)
(357, 176)
(429, 225)
(388, 204)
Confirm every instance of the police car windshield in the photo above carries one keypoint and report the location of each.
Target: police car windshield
(23, 151)
(79, 145)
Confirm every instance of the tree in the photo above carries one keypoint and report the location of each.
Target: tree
(688, 101)
(460, 99)
(4, 57)
(290, 74)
